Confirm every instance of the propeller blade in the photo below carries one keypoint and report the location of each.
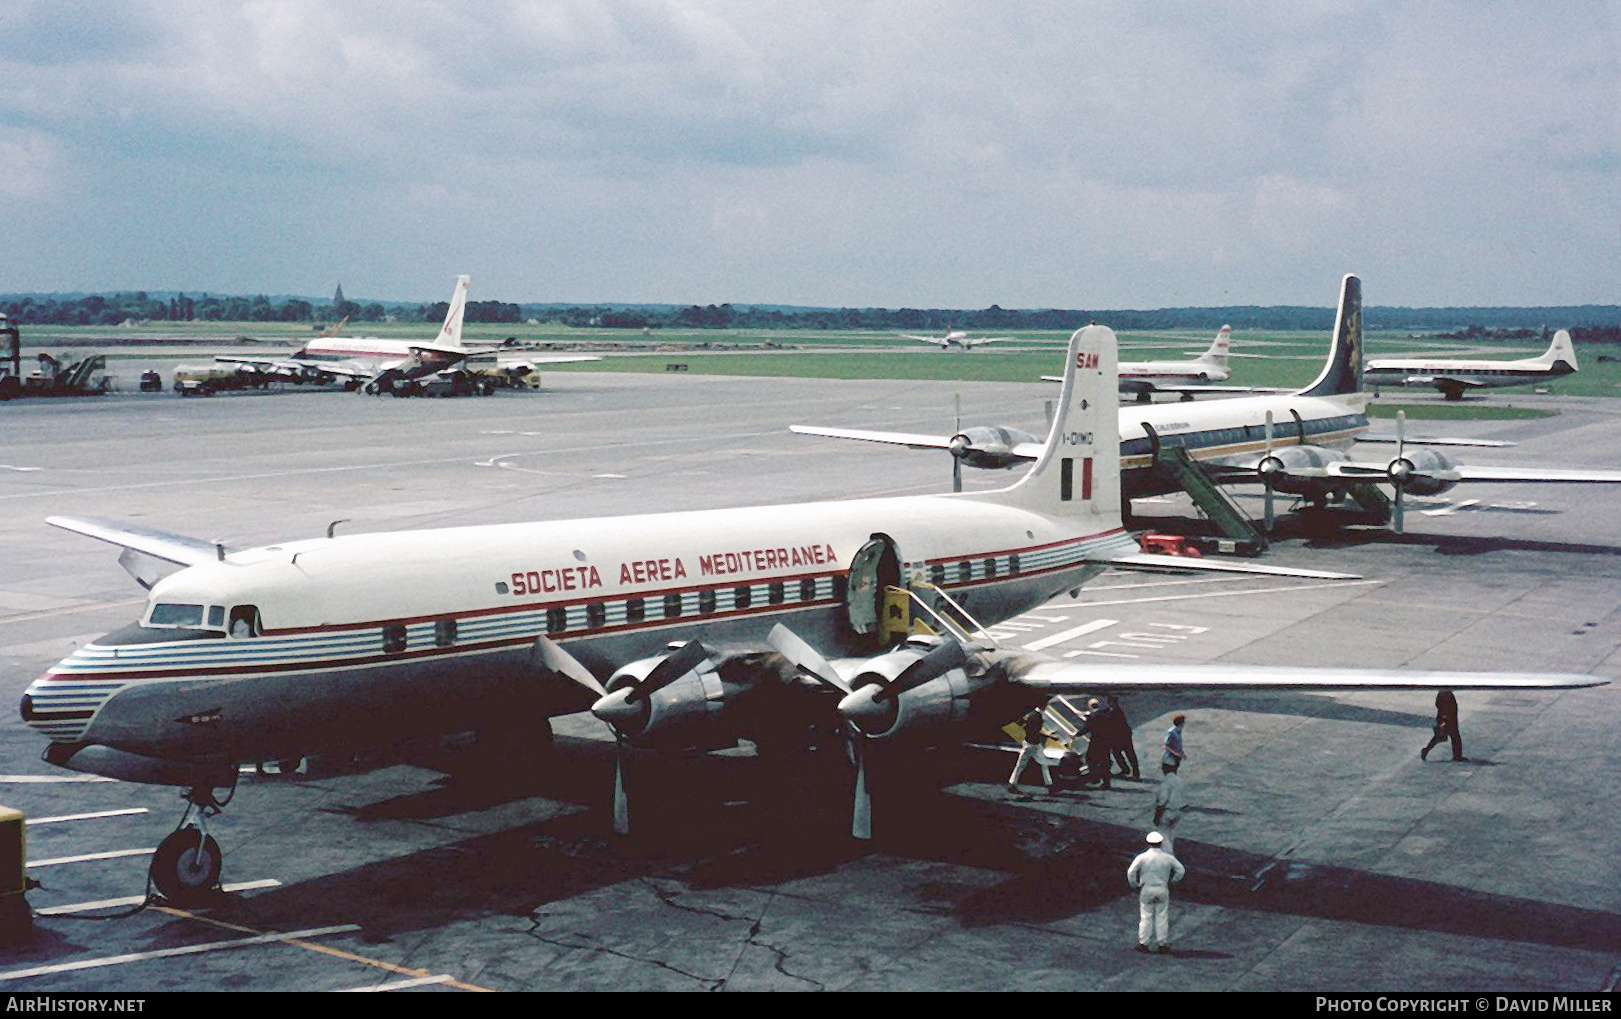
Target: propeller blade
(789, 644)
(686, 658)
(621, 800)
(941, 659)
(956, 429)
(956, 474)
(1267, 478)
(551, 656)
(1401, 489)
(861, 810)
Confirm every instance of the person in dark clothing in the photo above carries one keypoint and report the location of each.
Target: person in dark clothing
(1446, 726)
(1120, 741)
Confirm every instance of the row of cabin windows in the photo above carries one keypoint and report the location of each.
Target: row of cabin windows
(962, 571)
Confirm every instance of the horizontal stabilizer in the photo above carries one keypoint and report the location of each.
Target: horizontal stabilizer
(893, 438)
(1415, 441)
(171, 548)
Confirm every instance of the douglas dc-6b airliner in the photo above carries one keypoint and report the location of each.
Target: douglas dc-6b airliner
(680, 630)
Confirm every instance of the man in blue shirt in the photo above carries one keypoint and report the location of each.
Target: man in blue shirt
(1174, 755)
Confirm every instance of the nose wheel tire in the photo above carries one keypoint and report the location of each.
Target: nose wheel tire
(186, 867)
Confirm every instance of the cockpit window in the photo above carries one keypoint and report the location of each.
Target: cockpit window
(174, 614)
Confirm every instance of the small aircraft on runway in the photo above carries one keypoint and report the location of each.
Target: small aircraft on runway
(1295, 443)
(682, 631)
(1453, 377)
(958, 338)
(375, 365)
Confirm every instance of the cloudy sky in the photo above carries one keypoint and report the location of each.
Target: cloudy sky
(836, 152)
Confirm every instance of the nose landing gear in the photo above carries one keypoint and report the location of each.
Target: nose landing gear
(186, 867)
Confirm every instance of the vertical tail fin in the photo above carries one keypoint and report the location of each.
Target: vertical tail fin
(1559, 350)
(450, 334)
(1217, 354)
(1343, 372)
(1078, 472)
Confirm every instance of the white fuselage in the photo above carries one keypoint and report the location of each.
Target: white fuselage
(384, 635)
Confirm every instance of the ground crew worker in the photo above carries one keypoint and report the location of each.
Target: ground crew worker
(1169, 802)
(1174, 755)
(1153, 872)
(1446, 726)
(1120, 739)
(1030, 750)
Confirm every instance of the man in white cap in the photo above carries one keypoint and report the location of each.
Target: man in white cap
(1153, 872)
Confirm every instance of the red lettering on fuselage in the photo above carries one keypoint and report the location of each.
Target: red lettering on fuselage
(569, 578)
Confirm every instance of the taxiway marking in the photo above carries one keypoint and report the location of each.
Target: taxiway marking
(1230, 594)
(29, 779)
(136, 900)
(125, 812)
(1070, 634)
(400, 985)
(169, 953)
(91, 857)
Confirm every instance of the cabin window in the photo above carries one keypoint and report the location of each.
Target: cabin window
(706, 601)
(444, 632)
(741, 596)
(841, 584)
(775, 594)
(216, 617)
(807, 590)
(1013, 565)
(244, 621)
(556, 619)
(965, 572)
(672, 606)
(990, 568)
(635, 610)
(595, 614)
(937, 574)
(173, 614)
(393, 638)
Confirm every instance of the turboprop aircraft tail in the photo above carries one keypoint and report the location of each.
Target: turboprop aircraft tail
(1560, 353)
(1078, 472)
(450, 334)
(1219, 347)
(1343, 372)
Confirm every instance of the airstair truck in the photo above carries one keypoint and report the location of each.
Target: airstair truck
(11, 359)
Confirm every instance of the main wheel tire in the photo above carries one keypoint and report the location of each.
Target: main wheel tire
(186, 867)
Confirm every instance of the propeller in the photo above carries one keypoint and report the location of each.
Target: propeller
(806, 658)
(873, 706)
(956, 452)
(1401, 469)
(627, 704)
(1269, 466)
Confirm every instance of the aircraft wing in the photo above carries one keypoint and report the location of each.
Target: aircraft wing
(560, 358)
(1150, 386)
(298, 367)
(893, 438)
(1183, 564)
(1057, 677)
(171, 548)
(1379, 471)
(1412, 441)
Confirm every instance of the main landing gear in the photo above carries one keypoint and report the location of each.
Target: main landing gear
(186, 867)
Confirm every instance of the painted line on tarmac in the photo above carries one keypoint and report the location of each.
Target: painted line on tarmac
(1164, 583)
(30, 779)
(125, 812)
(90, 858)
(72, 609)
(136, 900)
(400, 985)
(1230, 594)
(1070, 634)
(169, 953)
(323, 950)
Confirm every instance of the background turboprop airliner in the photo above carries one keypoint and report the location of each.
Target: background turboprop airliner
(1294, 443)
(957, 338)
(682, 631)
(1453, 376)
(373, 364)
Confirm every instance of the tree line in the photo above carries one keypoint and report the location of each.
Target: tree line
(1587, 322)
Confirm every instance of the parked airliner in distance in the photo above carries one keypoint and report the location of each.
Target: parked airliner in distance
(1453, 376)
(373, 364)
(1295, 443)
(682, 631)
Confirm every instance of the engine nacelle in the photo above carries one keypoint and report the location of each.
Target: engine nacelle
(1293, 460)
(1420, 477)
(687, 712)
(989, 446)
(879, 714)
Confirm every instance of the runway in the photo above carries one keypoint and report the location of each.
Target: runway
(1322, 853)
